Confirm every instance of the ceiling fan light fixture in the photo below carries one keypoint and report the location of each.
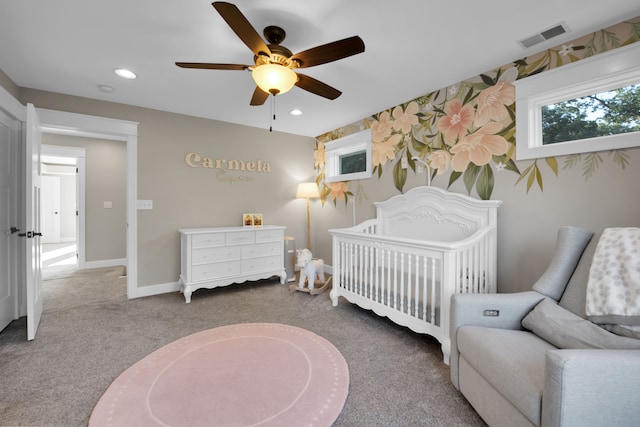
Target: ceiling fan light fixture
(273, 78)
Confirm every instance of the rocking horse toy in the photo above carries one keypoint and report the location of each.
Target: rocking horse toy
(310, 269)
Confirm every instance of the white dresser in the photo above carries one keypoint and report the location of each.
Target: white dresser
(220, 256)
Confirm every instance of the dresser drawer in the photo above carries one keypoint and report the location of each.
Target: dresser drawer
(240, 237)
(256, 265)
(209, 255)
(263, 249)
(207, 240)
(263, 236)
(215, 270)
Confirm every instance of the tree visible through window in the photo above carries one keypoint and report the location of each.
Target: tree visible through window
(608, 113)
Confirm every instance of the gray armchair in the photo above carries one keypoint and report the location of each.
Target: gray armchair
(526, 359)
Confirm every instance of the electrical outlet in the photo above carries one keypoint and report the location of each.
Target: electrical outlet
(145, 204)
(491, 313)
(404, 163)
(108, 205)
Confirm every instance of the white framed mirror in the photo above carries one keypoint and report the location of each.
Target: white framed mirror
(348, 158)
(549, 105)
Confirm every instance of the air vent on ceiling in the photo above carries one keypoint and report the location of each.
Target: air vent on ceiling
(547, 34)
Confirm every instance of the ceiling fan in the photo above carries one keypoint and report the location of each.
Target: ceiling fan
(274, 66)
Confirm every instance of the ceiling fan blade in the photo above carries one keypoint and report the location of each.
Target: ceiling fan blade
(208, 66)
(317, 87)
(241, 26)
(259, 97)
(329, 52)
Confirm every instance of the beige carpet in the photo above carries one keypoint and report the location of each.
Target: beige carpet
(71, 287)
(90, 333)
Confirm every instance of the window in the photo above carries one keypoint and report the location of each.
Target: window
(589, 105)
(348, 158)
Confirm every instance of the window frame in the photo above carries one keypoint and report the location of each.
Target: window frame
(350, 144)
(613, 69)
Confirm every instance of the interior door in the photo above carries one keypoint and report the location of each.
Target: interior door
(8, 300)
(50, 211)
(32, 233)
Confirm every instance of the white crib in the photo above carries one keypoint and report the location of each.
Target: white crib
(422, 247)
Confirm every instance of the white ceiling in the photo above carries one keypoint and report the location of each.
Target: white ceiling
(412, 48)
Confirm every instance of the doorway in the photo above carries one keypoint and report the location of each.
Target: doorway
(63, 207)
(63, 123)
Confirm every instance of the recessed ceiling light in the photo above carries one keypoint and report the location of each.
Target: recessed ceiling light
(106, 88)
(124, 73)
(295, 112)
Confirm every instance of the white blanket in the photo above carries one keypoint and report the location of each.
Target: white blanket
(613, 289)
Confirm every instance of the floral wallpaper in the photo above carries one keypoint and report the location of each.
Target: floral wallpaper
(467, 131)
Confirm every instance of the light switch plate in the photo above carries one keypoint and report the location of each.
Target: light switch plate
(145, 204)
(108, 205)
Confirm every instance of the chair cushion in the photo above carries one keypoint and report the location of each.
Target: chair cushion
(564, 329)
(511, 361)
(569, 247)
(574, 297)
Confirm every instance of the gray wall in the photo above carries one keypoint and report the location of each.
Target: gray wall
(528, 221)
(197, 197)
(105, 180)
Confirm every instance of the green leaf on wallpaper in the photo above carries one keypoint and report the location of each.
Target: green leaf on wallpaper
(532, 177)
(611, 38)
(399, 176)
(417, 144)
(508, 163)
(484, 185)
(591, 163)
(553, 164)
(470, 176)
(453, 178)
(537, 66)
(487, 80)
(525, 172)
(468, 97)
(635, 32)
(539, 177)
(572, 160)
(620, 157)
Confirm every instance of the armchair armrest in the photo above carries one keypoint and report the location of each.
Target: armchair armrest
(591, 388)
(504, 311)
(477, 309)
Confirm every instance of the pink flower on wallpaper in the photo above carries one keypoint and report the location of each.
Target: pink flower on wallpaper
(404, 120)
(457, 122)
(385, 150)
(337, 190)
(493, 101)
(381, 129)
(479, 147)
(319, 156)
(440, 161)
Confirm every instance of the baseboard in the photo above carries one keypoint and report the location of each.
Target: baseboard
(162, 288)
(165, 288)
(105, 263)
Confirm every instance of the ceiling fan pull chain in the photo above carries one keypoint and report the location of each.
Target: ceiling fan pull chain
(272, 112)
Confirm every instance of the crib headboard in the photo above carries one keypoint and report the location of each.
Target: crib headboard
(431, 213)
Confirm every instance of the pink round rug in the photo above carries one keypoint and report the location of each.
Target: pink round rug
(254, 374)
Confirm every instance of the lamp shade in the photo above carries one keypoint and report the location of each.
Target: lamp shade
(274, 78)
(308, 190)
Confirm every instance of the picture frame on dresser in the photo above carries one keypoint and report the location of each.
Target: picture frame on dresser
(247, 220)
